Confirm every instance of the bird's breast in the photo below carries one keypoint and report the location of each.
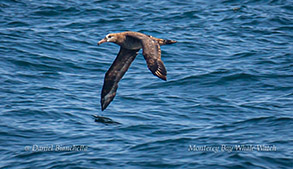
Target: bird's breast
(133, 46)
(131, 43)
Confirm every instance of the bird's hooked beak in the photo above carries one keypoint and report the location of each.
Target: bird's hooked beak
(102, 41)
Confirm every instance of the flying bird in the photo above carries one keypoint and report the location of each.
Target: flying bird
(130, 43)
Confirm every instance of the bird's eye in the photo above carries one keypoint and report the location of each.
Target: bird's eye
(109, 36)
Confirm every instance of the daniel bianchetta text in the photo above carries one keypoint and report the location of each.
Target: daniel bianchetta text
(57, 147)
(231, 148)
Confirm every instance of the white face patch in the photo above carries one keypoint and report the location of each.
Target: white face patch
(109, 37)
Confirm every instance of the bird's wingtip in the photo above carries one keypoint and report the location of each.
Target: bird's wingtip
(170, 41)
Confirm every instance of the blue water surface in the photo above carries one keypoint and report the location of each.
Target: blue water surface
(230, 85)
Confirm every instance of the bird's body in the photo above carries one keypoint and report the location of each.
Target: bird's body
(131, 43)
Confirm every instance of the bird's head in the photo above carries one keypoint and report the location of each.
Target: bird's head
(109, 38)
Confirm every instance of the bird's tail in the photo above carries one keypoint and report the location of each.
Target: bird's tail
(166, 42)
(162, 41)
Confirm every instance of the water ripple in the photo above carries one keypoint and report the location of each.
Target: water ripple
(229, 83)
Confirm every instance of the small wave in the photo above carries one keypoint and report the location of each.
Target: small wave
(34, 65)
(159, 142)
(17, 24)
(237, 76)
(219, 76)
(267, 120)
(56, 10)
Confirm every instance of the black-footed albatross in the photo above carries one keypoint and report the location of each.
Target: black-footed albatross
(130, 43)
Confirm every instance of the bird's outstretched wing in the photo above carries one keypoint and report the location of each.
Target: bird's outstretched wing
(152, 55)
(115, 73)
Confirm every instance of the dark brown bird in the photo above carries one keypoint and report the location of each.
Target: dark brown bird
(130, 43)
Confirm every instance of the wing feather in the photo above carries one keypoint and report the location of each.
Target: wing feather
(114, 75)
(152, 55)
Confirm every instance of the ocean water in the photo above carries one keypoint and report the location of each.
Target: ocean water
(228, 101)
